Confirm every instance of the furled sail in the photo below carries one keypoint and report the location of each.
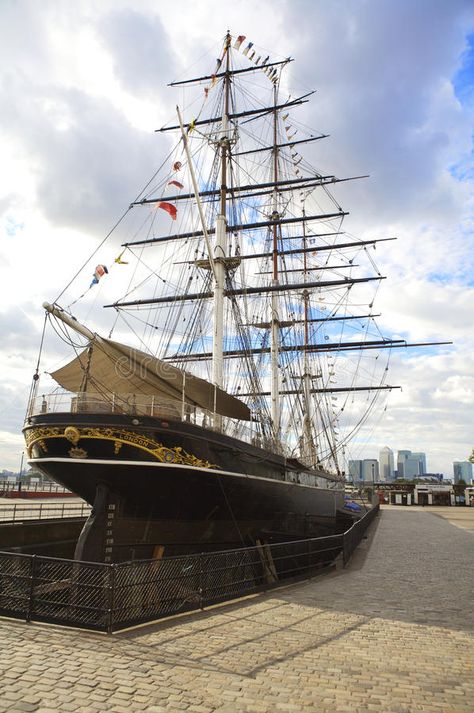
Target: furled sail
(109, 366)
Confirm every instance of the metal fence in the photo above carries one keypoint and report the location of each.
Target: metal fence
(356, 533)
(42, 511)
(43, 489)
(110, 597)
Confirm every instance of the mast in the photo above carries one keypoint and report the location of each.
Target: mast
(220, 250)
(309, 447)
(254, 218)
(275, 320)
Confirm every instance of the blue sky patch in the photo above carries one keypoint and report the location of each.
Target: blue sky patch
(463, 80)
(12, 227)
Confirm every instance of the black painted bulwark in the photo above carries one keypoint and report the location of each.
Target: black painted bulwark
(159, 484)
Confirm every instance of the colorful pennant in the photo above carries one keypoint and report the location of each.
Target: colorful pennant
(169, 208)
(99, 272)
(119, 260)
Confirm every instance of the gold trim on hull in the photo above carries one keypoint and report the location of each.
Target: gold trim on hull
(119, 436)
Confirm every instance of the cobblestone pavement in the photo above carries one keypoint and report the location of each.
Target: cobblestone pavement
(460, 516)
(393, 632)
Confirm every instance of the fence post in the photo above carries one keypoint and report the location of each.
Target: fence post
(110, 598)
(31, 591)
(200, 583)
(345, 554)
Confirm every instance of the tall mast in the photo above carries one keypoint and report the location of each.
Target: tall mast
(220, 250)
(275, 320)
(309, 446)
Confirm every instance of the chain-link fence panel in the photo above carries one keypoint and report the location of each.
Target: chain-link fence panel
(109, 597)
(71, 592)
(15, 584)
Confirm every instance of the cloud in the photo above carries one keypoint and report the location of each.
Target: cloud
(383, 74)
(86, 158)
(433, 411)
(142, 54)
(82, 90)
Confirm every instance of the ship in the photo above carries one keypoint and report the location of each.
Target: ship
(215, 418)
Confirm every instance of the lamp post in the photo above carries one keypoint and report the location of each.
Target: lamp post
(21, 470)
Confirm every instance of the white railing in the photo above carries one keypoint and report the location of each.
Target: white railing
(139, 405)
(43, 488)
(42, 511)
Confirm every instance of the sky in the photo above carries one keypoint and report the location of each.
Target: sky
(83, 88)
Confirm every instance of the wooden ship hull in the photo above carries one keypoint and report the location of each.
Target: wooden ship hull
(168, 487)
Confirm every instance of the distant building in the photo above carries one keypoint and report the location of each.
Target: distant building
(364, 470)
(386, 464)
(410, 465)
(432, 477)
(462, 471)
(355, 469)
(421, 457)
(402, 457)
(370, 470)
(434, 494)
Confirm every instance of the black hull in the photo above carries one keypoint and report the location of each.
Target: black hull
(170, 487)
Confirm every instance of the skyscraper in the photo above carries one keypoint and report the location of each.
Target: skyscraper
(462, 471)
(410, 465)
(422, 461)
(370, 470)
(355, 470)
(386, 468)
(402, 457)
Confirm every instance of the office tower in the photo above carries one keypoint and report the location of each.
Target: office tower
(402, 457)
(370, 470)
(462, 471)
(355, 470)
(386, 468)
(412, 467)
(422, 460)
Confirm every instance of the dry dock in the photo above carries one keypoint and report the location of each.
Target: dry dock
(392, 632)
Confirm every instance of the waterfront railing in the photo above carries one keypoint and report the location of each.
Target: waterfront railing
(16, 512)
(43, 489)
(111, 597)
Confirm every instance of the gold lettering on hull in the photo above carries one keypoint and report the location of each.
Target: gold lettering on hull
(119, 436)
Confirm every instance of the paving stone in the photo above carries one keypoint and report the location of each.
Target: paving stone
(34, 700)
(391, 633)
(126, 689)
(12, 695)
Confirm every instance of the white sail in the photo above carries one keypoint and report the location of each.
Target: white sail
(116, 368)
